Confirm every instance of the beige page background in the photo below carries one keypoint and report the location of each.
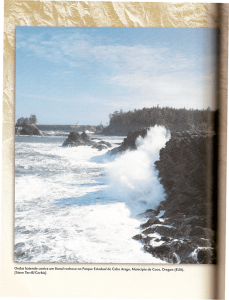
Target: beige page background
(197, 281)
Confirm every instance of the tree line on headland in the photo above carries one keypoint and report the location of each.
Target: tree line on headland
(25, 121)
(171, 118)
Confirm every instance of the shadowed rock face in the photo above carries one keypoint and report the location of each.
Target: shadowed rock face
(75, 136)
(129, 141)
(29, 129)
(76, 139)
(186, 231)
(185, 171)
(85, 136)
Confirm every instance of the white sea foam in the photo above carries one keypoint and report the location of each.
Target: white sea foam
(65, 208)
(133, 176)
(55, 133)
(87, 131)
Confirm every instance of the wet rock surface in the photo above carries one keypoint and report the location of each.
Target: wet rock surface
(130, 141)
(182, 244)
(76, 139)
(185, 230)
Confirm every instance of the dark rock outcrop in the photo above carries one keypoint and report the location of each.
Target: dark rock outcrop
(185, 233)
(176, 245)
(164, 252)
(186, 173)
(105, 143)
(99, 146)
(85, 136)
(206, 256)
(76, 139)
(29, 129)
(151, 221)
(149, 213)
(130, 141)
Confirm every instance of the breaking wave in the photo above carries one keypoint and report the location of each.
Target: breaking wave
(132, 175)
(73, 205)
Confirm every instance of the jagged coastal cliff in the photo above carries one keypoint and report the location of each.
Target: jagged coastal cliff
(182, 229)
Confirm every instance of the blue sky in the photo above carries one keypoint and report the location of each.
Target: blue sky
(65, 75)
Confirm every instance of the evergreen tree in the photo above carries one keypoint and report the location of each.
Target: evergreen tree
(33, 119)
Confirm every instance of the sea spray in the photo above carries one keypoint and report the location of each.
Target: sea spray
(65, 211)
(132, 175)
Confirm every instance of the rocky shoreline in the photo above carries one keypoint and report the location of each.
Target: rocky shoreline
(180, 238)
(182, 229)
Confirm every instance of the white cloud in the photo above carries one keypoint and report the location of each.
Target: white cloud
(146, 74)
(72, 47)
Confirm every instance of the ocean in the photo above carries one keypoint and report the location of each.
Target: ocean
(81, 205)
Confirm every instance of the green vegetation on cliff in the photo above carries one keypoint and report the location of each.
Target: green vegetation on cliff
(173, 119)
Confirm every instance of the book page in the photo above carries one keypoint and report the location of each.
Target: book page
(84, 213)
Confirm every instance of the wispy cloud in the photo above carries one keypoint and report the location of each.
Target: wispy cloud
(74, 47)
(145, 73)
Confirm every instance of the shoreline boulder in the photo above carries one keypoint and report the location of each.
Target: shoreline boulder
(76, 139)
(29, 129)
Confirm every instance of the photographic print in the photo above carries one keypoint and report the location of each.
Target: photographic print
(115, 131)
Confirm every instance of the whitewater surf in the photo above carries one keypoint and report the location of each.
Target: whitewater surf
(81, 205)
